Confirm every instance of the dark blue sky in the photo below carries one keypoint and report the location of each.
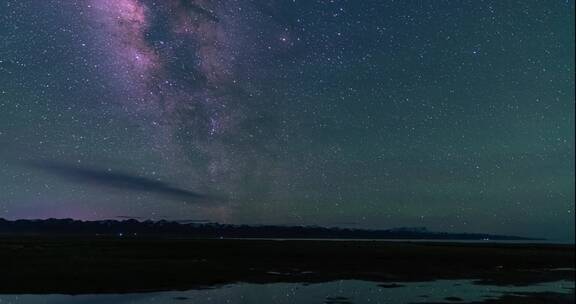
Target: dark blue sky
(455, 115)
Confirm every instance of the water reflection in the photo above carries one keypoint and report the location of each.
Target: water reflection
(338, 292)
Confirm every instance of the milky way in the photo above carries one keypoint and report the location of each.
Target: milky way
(164, 81)
(178, 61)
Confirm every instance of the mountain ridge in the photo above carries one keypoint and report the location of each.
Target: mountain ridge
(165, 228)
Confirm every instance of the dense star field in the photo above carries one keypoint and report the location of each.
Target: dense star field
(454, 115)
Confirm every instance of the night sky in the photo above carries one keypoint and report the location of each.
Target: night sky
(454, 115)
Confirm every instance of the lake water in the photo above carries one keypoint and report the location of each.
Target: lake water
(337, 292)
(485, 242)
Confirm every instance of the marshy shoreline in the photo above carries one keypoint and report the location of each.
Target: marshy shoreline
(94, 265)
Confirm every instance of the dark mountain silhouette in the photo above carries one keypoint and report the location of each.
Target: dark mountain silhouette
(163, 228)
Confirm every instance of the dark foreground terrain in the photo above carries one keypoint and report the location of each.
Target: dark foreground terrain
(117, 265)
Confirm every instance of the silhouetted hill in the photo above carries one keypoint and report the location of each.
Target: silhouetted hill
(135, 228)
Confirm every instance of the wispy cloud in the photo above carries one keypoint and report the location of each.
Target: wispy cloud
(118, 180)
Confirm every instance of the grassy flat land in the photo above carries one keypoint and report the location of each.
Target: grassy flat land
(95, 265)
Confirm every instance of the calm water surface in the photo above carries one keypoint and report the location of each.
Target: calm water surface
(338, 292)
